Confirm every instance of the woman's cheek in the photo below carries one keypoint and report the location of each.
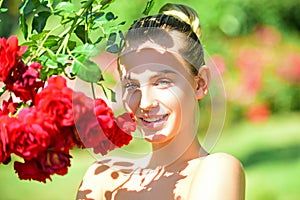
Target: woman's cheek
(172, 95)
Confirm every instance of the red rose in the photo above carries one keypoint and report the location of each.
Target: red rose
(104, 114)
(90, 132)
(31, 170)
(100, 130)
(120, 137)
(28, 135)
(10, 54)
(106, 121)
(126, 122)
(8, 107)
(55, 162)
(124, 125)
(5, 149)
(93, 125)
(56, 101)
(23, 82)
(104, 147)
(64, 139)
(81, 104)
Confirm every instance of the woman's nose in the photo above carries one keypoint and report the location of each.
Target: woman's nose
(148, 100)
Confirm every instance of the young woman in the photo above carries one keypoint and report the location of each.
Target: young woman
(163, 75)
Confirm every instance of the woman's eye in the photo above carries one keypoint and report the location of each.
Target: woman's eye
(163, 83)
(131, 86)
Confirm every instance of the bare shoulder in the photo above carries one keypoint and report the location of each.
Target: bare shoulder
(226, 166)
(103, 175)
(219, 176)
(222, 161)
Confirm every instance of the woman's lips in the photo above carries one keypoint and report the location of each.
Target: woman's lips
(154, 121)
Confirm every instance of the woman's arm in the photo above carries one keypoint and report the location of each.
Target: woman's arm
(220, 176)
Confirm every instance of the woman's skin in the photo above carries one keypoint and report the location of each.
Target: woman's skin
(160, 91)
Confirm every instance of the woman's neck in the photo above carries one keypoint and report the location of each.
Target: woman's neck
(176, 152)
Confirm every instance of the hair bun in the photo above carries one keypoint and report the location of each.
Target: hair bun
(183, 13)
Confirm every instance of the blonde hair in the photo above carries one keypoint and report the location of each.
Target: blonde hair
(183, 13)
(172, 17)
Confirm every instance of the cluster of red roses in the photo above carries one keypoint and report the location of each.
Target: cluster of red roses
(50, 118)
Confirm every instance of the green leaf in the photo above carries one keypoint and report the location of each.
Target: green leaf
(86, 69)
(51, 55)
(80, 33)
(2, 90)
(29, 43)
(76, 64)
(110, 16)
(100, 17)
(62, 59)
(71, 44)
(52, 64)
(121, 35)
(2, 10)
(99, 40)
(122, 23)
(39, 36)
(86, 49)
(106, 3)
(53, 2)
(148, 7)
(44, 3)
(28, 6)
(97, 15)
(65, 7)
(51, 41)
(109, 93)
(39, 21)
(23, 25)
(113, 49)
(111, 39)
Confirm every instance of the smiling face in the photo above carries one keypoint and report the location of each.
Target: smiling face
(159, 90)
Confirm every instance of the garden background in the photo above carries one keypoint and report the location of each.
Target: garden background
(256, 46)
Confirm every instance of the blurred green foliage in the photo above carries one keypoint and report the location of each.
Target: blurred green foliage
(237, 17)
(232, 17)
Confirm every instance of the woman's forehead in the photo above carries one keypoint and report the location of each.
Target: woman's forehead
(146, 55)
(147, 63)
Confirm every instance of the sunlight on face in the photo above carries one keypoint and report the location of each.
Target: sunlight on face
(159, 91)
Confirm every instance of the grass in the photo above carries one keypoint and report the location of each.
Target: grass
(61, 187)
(270, 153)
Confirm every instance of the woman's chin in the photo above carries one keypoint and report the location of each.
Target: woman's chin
(155, 138)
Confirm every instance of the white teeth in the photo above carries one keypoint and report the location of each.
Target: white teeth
(153, 119)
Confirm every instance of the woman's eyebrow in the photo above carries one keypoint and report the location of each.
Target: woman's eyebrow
(159, 73)
(163, 72)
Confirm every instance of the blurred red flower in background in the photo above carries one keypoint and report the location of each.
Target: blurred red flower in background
(219, 62)
(251, 70)
(290, 68)
(258, 113)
